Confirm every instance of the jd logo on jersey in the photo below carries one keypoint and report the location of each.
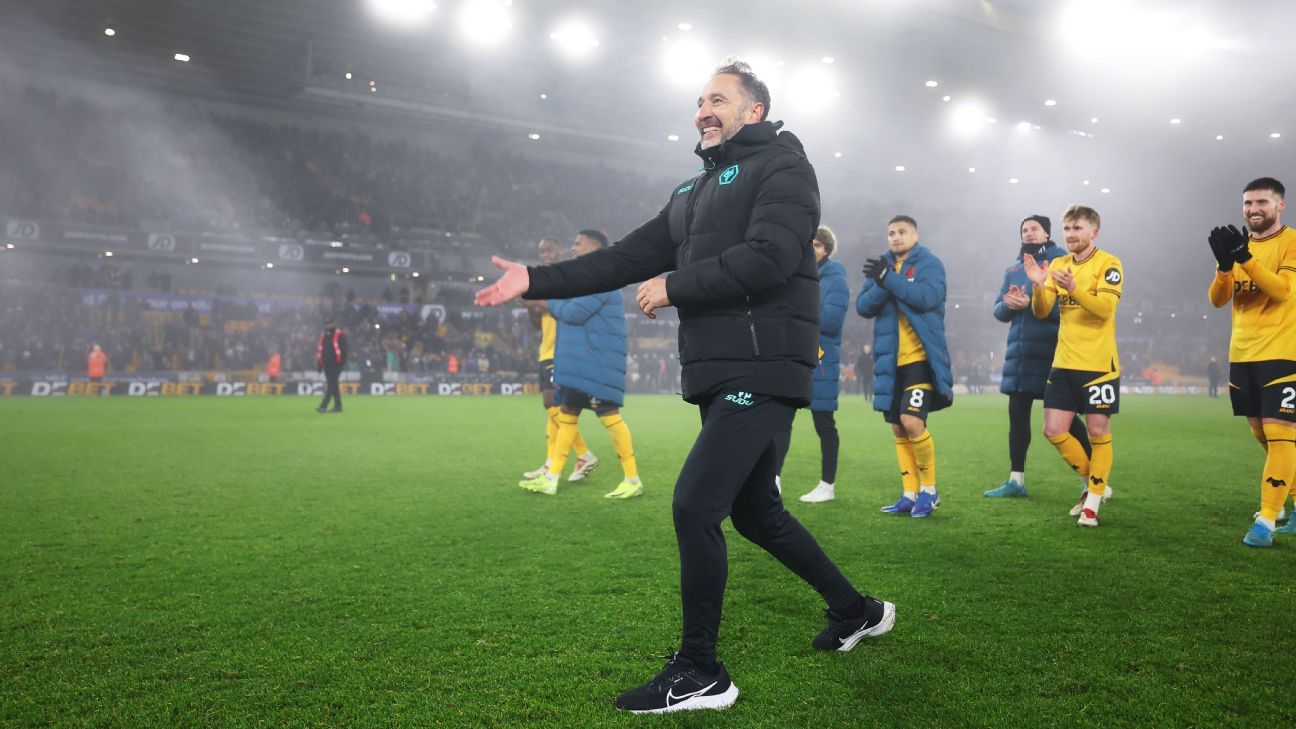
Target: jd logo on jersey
(728, 175)
(1113, 276)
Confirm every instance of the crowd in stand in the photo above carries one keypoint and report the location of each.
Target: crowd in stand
(79, 162)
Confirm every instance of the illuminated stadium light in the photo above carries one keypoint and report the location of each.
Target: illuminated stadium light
(414, 275)
(946, 97)
(348, 75)
(575, 39)
(373, 89)
(377, 325)
(1024, 126)
(828, 59)
(899, 168)
(1050, 102)
(932, 84)
(1085, 183)
(346, 270)
(1013, 180)
(109, 32)
(1219, 137)
(1275, 135)
(373, 83)
(672, 137)
(1105, 190)
(182, 57)
(544, 96)
(837, 155)
(108, 254)
(1093, 120)
(486, 23)
(9, 246)
(335, 244)
(969, 118)
(533, 136)
(687, 62)
(685, 26)
(1148, 39)
(403, 13)
(193, 260)
(971, 169)
(1176, 121)
(269, 264)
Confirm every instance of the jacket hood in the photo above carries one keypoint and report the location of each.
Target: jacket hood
(747, 140)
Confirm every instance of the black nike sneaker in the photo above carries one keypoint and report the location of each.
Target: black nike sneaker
(843, 633)
(680, 686)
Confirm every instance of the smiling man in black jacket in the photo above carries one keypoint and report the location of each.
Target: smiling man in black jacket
(737, 241)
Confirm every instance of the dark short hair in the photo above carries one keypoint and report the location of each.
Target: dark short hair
(595, 235)
(903, 219)
(1267, 183)
(756, 90)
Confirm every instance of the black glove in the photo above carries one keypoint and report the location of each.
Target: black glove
(1220, 246)
(876, 268)
(1236, 242)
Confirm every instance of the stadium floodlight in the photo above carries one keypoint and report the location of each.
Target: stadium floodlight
(672, 137)
(969, 118)
(486, 23)
(1275, 135)
(402, 13)
(1050, 102)
(108, 254)
(193, 260)
(688, 62)
(1136, 35)
(1013, 180)
(182, 57)
(109, 32)
(10, 246)
(899, 168)
(269, 264)
(575, 38)
(932, 84)
(1024, 126)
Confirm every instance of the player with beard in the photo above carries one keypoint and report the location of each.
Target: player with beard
(1257, 272)
(736, 239)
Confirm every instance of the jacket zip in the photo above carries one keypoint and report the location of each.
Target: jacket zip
(751, 327)
(694, 194)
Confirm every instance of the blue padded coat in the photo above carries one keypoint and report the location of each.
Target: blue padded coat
(918, 292)
(591, 350)
(834, 296)
(1031, 342)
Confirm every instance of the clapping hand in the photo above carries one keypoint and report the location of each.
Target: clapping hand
(1036, 273)
(876, 268)
(1017, 297)
(511, 285)
(1235, 242)
(1064, 280)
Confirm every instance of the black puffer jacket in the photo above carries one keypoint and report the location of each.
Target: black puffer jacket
(745, 282)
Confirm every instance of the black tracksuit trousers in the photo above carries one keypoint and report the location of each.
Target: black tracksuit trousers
(331, 391)
(730, 473)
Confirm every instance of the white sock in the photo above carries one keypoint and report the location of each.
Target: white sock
(1093, 501)
(552, 476)
(587, 455)
(824, 483)
(548, 463)
(1019, 477)
(929, 489)
(1267, 522)
(633, 479)
(911, 495)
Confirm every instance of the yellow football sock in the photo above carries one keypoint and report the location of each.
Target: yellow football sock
(579, 444)
(551, 431)
(908, 466)
(1260, 436)
(1279, 468)
(1072, 452)
(568, 432)
(620, 433)
(924, 450)
(1100, 463)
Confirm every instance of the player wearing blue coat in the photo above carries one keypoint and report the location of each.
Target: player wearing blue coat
(834, 296)
(904, 292)
(1029, 354)
(590, 366)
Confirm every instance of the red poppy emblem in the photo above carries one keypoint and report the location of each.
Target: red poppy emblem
(909, 272)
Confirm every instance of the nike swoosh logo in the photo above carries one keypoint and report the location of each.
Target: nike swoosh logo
(671, 698)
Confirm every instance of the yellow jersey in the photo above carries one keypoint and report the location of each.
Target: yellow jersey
(1264, 307)
(911, 348)
(548, 336)
(1087, 328)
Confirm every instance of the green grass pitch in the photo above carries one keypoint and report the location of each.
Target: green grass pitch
(247, 562)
